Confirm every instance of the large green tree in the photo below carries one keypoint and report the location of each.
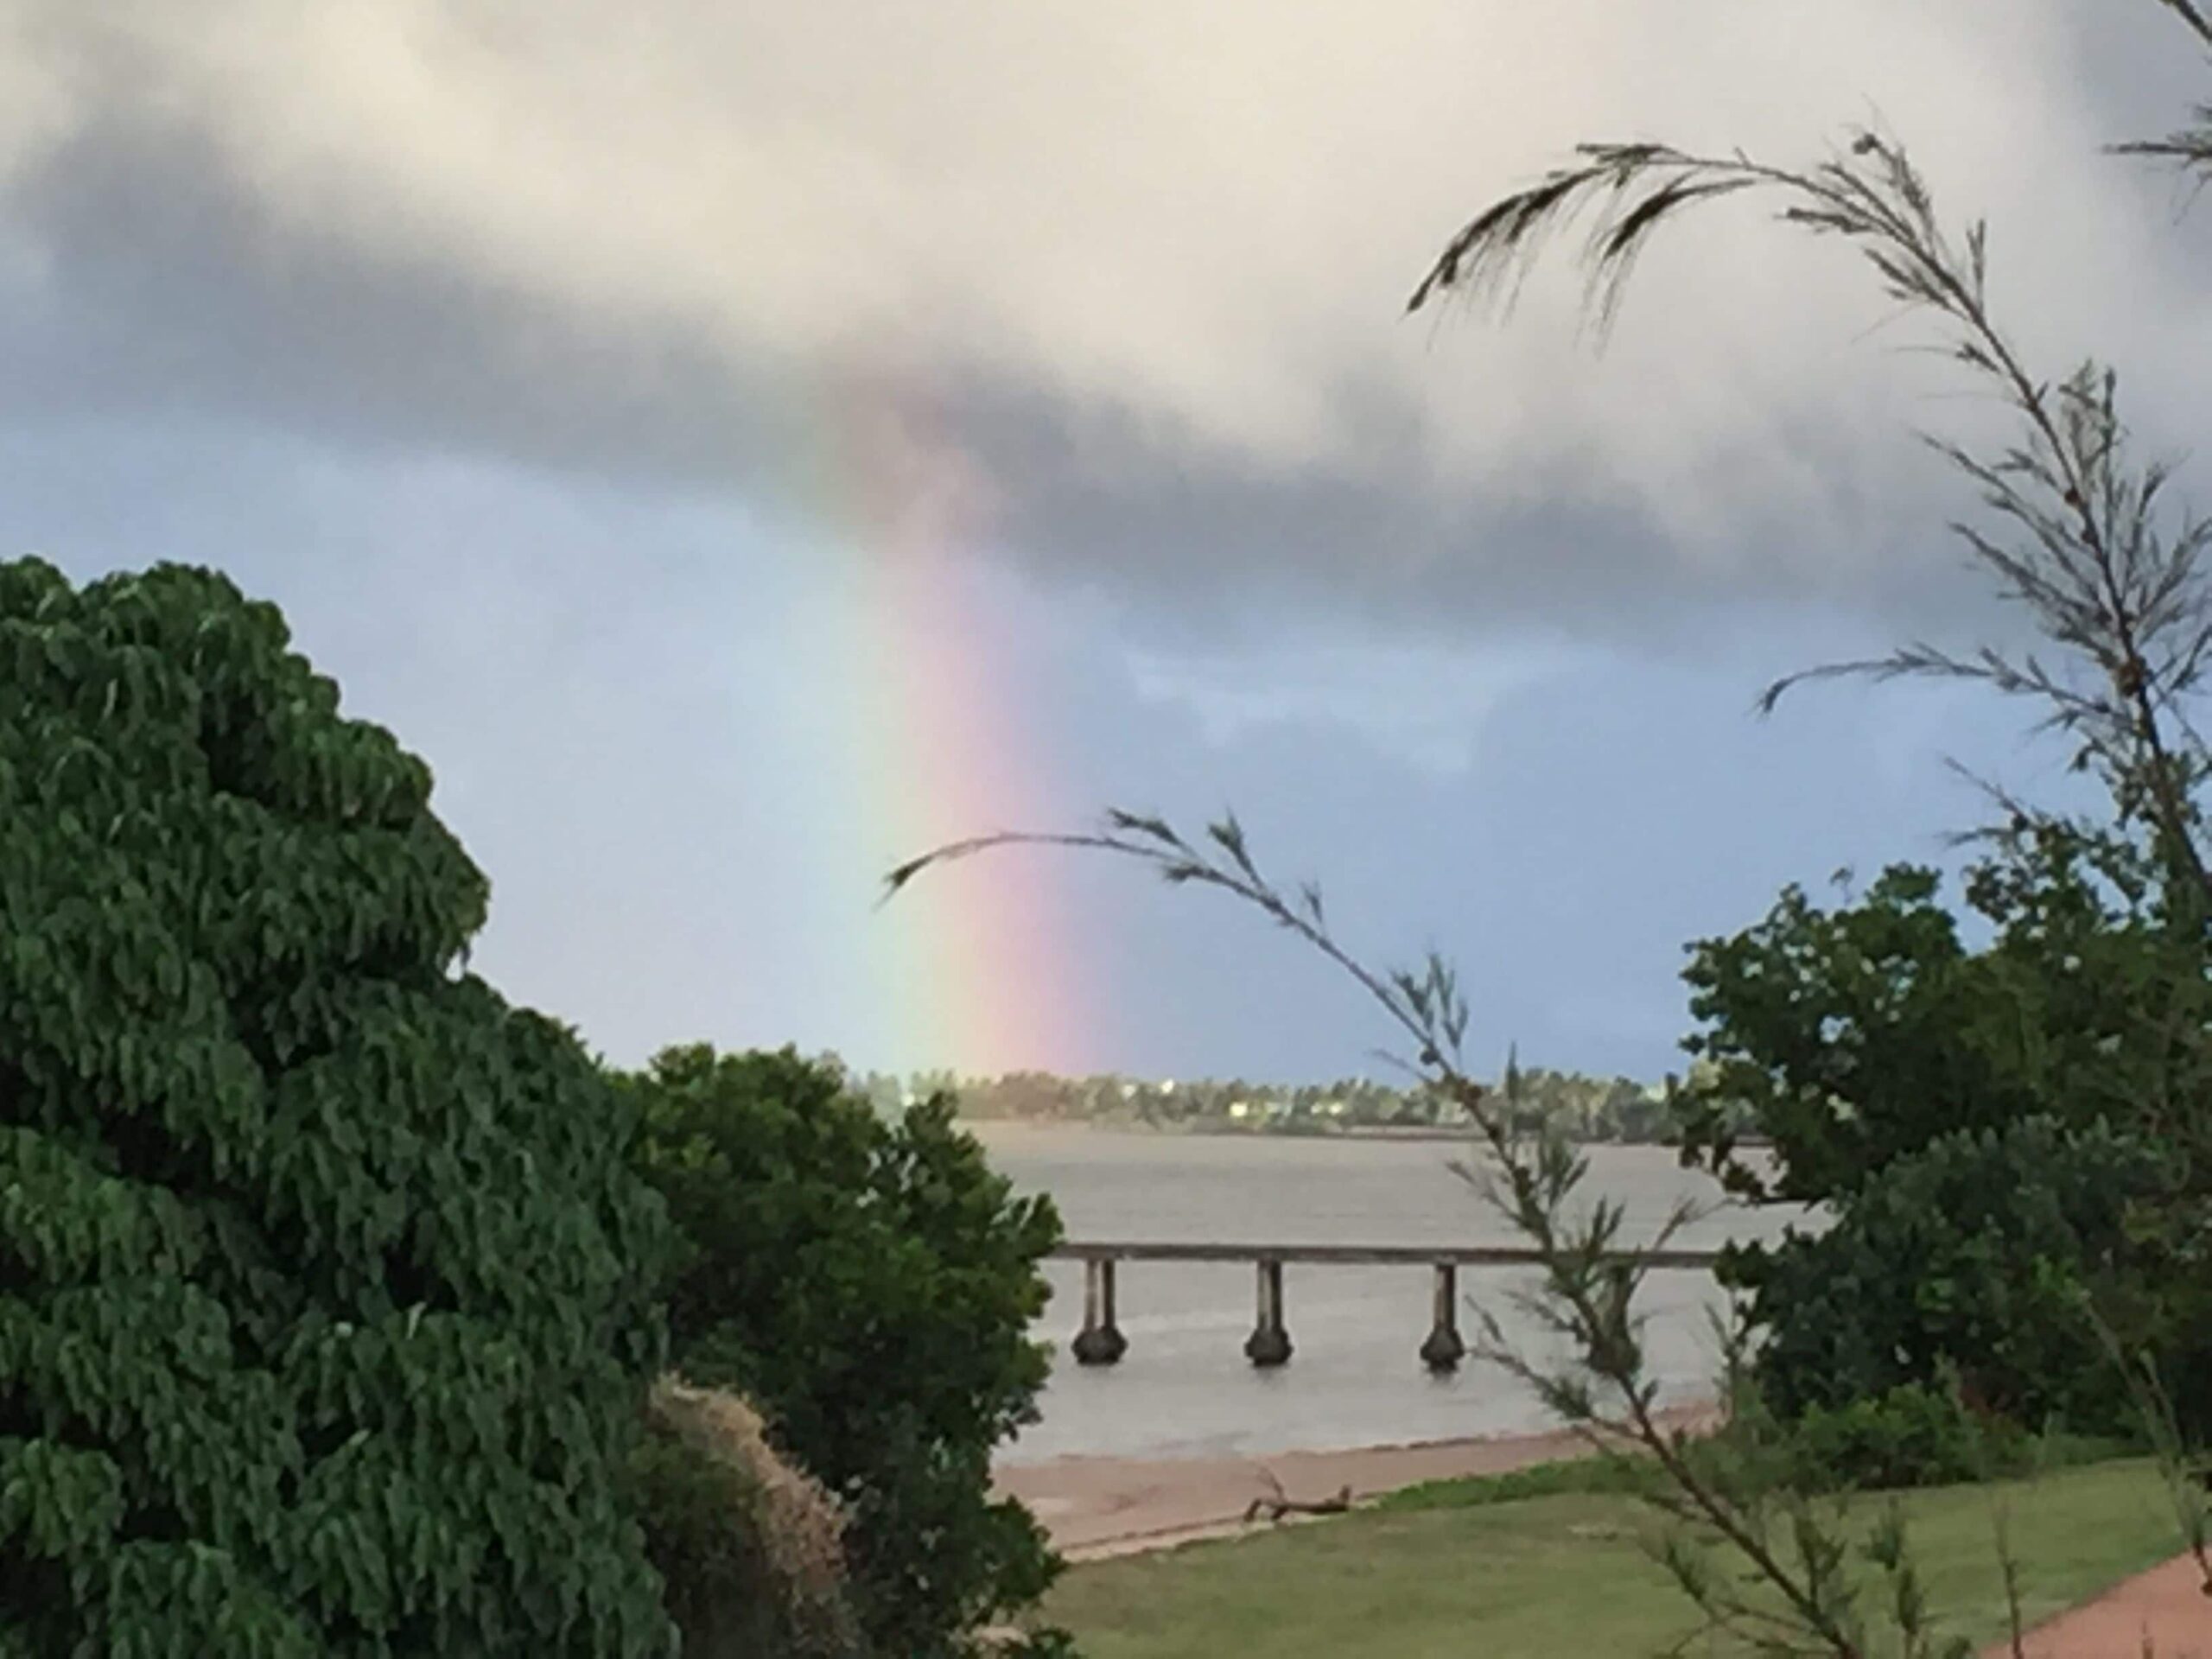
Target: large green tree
(1855, 1036)
(325, 1288)
(870, 1285)
(1999, 1132)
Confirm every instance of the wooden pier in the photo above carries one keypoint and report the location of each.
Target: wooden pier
(1101, 1341)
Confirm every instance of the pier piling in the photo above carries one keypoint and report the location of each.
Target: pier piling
(1444, 1350)
(1100, 1342)
(1269, 1343)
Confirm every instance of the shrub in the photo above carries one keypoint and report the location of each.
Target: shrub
(750, 1547)
(325, 1290)
(1975, 1253)
(870, 1287)
(1916, 1435)
(1913, 1435)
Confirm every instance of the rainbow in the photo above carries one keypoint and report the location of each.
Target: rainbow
(977, 971)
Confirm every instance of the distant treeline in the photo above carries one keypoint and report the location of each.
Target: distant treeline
(1590, 1109)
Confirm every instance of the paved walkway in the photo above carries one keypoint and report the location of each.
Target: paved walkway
(2165, 1611)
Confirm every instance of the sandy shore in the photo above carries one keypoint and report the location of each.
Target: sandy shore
(1095, 1507)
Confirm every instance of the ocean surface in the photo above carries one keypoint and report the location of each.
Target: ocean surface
(1185, 1388)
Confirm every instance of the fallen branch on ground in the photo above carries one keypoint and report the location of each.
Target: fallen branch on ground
(1281, 1503)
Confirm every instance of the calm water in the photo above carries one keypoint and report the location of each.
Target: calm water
(1184, 1388)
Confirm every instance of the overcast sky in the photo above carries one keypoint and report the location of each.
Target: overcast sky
(739, 445)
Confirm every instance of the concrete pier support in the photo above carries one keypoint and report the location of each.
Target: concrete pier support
(1100, 1342)
(1444, 1350)
(1269, 1343)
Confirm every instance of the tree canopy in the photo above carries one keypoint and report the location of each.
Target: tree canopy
(325, 1290)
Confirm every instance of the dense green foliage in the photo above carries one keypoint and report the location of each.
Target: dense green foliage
(1851, 1037)
(869, 1286)
(1910, 1435)
(1975, 1250)
(325, 1286)
(2001, 1131)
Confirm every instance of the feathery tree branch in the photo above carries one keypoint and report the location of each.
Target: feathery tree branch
(2080, 536)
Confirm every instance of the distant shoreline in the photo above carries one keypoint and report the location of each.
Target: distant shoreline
(1223, 1132)
(1230, 1132)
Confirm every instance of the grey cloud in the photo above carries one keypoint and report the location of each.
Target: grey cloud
(166, 301)
(1129, 280)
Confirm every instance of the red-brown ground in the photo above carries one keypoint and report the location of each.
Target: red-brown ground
(2166, 1607)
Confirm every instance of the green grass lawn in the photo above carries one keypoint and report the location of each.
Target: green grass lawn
(1564, 1575)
